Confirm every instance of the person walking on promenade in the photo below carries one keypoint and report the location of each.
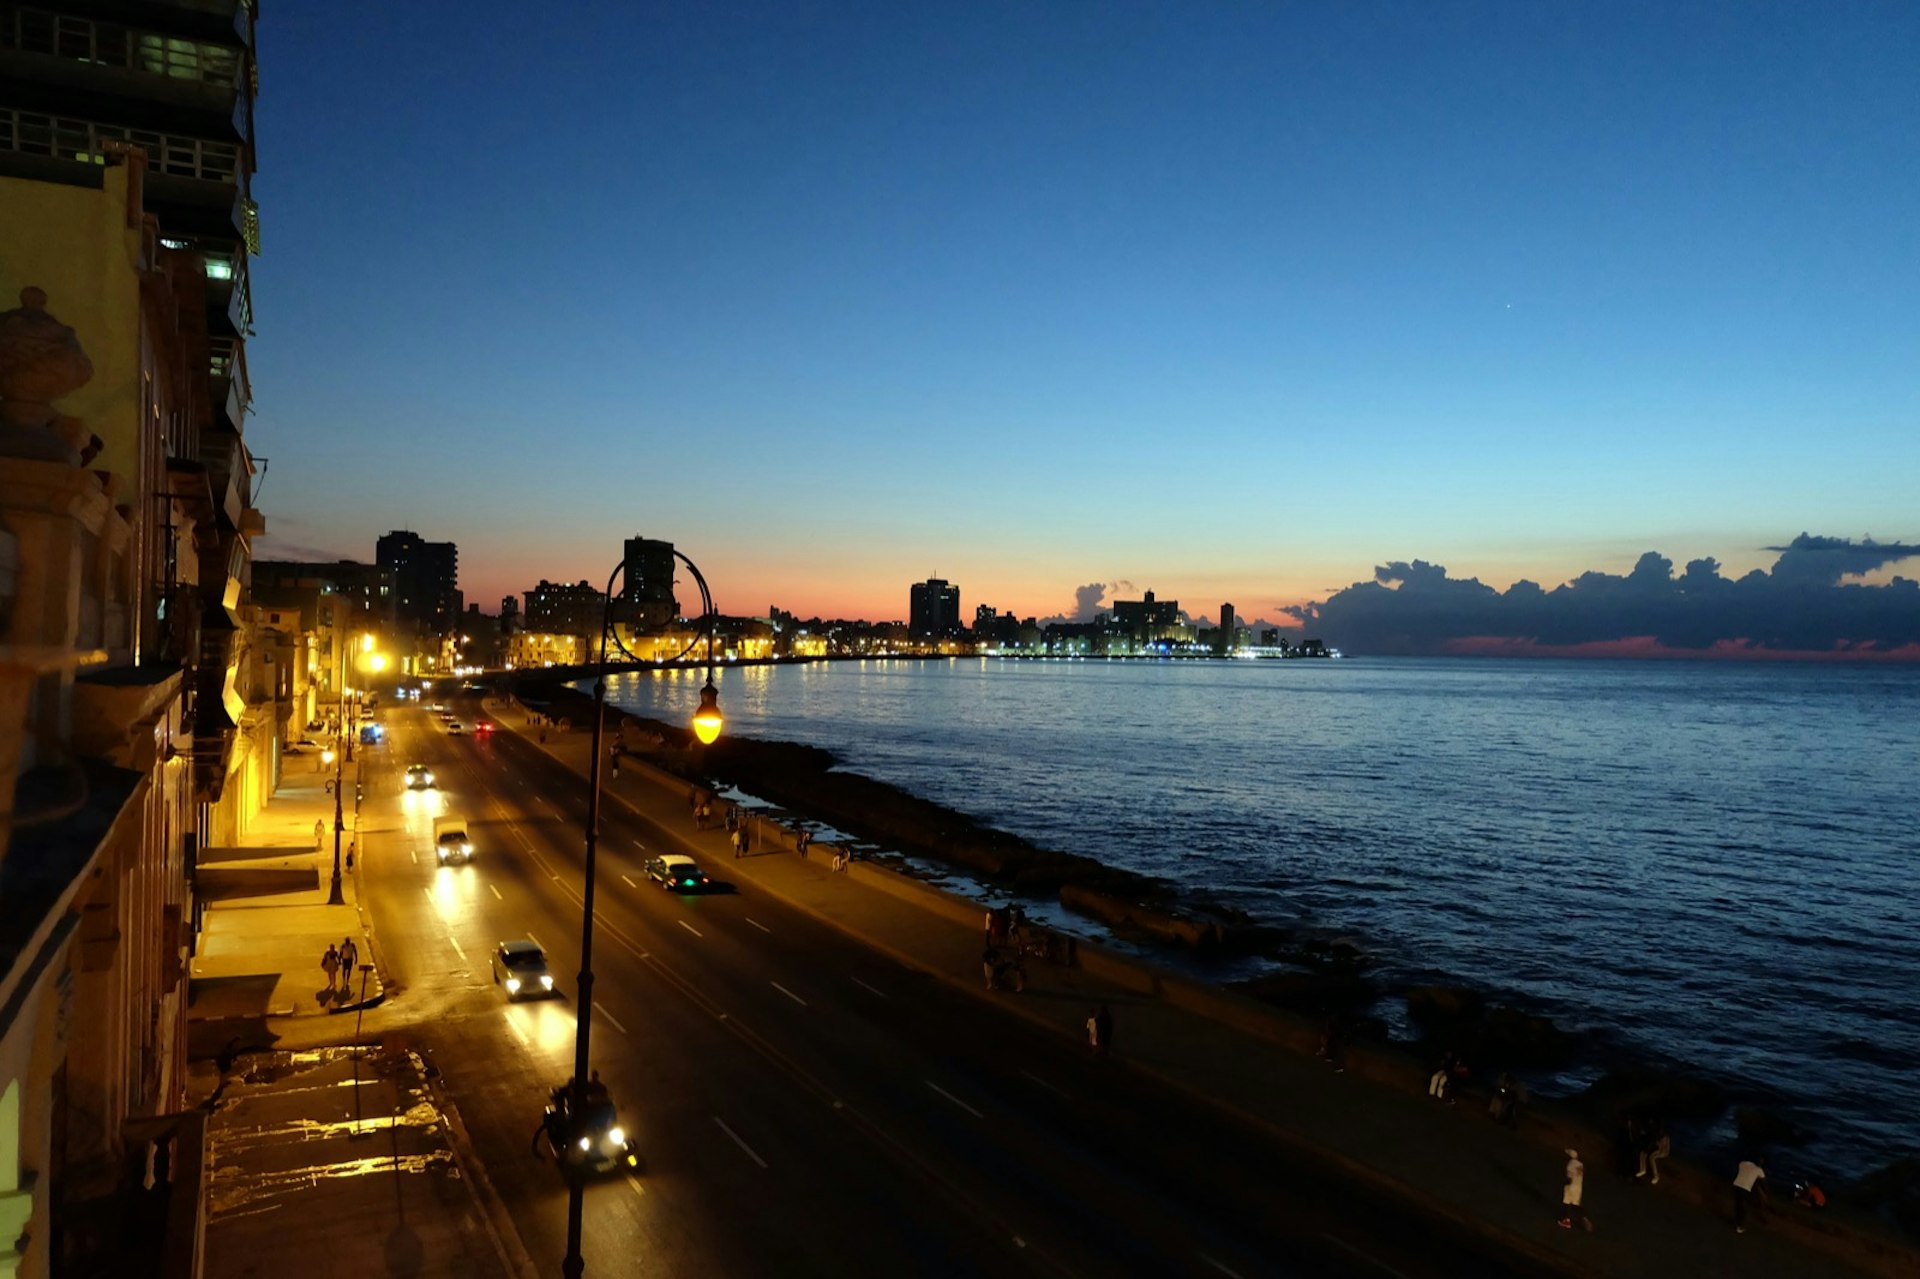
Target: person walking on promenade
(1502, 1104)
(989, 958)
(1749, 1186)
(350, 848)
(841, 857)
(1441, 1079)
(739, 843)
(800, 843)
(330, 965)
(1573, 1192)
(1658, 1145)
(349, 959)
(1100, 1031)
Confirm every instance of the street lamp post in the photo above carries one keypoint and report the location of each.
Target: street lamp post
(706, 726)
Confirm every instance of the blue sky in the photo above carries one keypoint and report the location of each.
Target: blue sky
(1231, 301)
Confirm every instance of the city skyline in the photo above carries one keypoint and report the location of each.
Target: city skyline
(1243, 305)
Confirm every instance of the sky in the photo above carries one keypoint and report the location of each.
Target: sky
(1235, 302)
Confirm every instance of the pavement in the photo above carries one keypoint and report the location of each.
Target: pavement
(410, 1198)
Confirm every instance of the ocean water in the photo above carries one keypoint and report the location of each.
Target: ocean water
(1709, 864)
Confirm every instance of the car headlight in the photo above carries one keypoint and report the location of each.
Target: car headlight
(546, 982)
(586, 1143)
(617, 1135)
(513, 985)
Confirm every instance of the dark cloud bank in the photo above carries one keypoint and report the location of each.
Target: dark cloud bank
(1801, 607)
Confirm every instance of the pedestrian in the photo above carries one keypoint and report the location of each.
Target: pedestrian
(330, 965)
(1093, 1028)
(800, 845)
(987, 960)
(319, 834)
(693, 800)
(1502, 1101)
(746, 838)
(1657, 1145)
(1749, 1186)
(1572, 1193)
(1441, 1078)
(738, 845)
(616, 766)
(349, 960)
(350, 848)
(1103, 1031)
(841, 858)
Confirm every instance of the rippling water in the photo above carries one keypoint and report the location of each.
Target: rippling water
(1705, 862)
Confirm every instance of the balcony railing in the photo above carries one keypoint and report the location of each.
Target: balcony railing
(63, 138)
(109, 44)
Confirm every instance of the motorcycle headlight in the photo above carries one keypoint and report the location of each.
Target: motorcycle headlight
(513, 985)
(546, 982)
(617, 1135)
(586, 1143)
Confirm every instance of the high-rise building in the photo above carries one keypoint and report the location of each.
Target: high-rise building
(1145, 620)
(933, 609)
(1223, 642)
(426, 579)
(647, 599)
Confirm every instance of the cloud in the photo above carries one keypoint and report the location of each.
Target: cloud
(1801, 606)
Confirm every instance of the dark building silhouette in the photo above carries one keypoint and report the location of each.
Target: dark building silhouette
(556, 608)
(426, 580)
(1223, 642)
(933, 609)
(647, 600)
(368, 586)
(1146, 619)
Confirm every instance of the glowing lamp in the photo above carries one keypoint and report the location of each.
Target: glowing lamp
(707, 721)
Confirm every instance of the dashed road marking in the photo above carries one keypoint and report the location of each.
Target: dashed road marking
(789, 994)
(1058, 1092)
(1219, 1266)
(1345, 1247)
(457, 950)
(415, 856)
(599, 1008)
(428, 892)
(496, 891)
(955, 1100)
(689, 927)
(736, 1141)
(536, 941)
(757, 924)
(870, 990)
(629, 882)
(553, 875)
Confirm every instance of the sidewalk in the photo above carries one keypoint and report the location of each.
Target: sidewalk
(266, 920)
(324, 1163)
(1372, 1120)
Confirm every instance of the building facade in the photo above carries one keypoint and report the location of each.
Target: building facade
(426, 581)
(647, 600)
(556, 608)
(126, 527)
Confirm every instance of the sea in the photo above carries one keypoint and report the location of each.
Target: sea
(1704, 865)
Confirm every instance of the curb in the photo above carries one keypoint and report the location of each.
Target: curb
(514, 1257)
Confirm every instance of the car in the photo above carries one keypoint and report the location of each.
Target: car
(676, 873)
(419, 777)
(521, 967)
(453, 727)
(483, 726)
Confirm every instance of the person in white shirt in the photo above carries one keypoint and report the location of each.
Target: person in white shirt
(1749, 1184)
(1573, 1192)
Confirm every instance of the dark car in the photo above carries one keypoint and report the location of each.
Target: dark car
(676, 873)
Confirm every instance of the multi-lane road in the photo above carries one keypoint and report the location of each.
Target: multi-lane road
(803, 1104)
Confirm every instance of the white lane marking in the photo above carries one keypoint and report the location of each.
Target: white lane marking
(554, 875)
(636, 1187)
(457, 950)
(955, 1100)
(757, 924)
(1344, 1245)
(736, 1141)
(1218, 1266)
(689, 927)
(428, 892)
(536, 941)
(862, 985)
(789, 994)
(601, 1009)
(629, 882)
(1058, 1092)
(415, 856)
(496, 891)
(637, 844)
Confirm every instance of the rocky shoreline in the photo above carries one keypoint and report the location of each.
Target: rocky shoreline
(1329, 980)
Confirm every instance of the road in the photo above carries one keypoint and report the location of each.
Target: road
(803, 1104)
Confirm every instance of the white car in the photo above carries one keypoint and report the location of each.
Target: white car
(521, 967)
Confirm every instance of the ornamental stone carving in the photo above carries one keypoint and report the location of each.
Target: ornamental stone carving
(40, 361)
